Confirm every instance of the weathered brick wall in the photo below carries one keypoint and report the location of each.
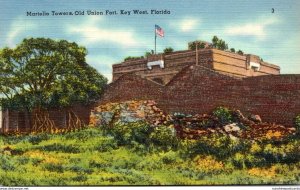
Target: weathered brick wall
(130, 87)
(198, 89)
(61, 116)
(274, 98)
(13, 120)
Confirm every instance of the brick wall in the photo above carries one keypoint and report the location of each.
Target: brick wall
(275, 98)
(130, 87)
(198, 89)
(13, 120)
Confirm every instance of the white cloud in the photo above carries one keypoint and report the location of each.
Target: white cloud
(256, 29)
(91, 33)
(103, 59)
(103, 64)
(188, 24)
(108, 76)
(17, 28)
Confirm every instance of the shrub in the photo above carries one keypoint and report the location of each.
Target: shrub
(168, 50)
(84, 135)
(223, 114)
(240, 52)
(285, 153)
(23, 160)
(36, 161)
(97, 164)
(38, 138)
(169, 157)
(124, 134)
(192, 45)
(60, 148)
(133, 58)
(54, 167)
(80, 170)
(164, 137)
(106, 145)
(6, 163)
(80, 178)
(14, 139)
(218, 145)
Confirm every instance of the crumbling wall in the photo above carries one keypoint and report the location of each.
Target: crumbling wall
(198, 89)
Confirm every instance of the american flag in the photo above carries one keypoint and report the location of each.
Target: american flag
(159, 31)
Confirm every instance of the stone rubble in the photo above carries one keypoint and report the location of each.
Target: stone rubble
(186, 126)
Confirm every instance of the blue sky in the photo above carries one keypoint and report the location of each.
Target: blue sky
(247, 25)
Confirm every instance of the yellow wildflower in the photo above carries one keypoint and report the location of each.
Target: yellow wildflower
(270, 134)
(208, 163)
(263, 172)
(255, 148)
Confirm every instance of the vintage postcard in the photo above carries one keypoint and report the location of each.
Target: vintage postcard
(110, 93)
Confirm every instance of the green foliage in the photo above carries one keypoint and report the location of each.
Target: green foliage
(80, 178)
(6, 163)
(107, 145)
(129, 58)
(80, 170)
(125, 134)
(84, 135)
(148, 53)
(240, 52)
(141, 136)
(241, 161)
(164, 137)
(170, 157)
(36, 139)
(54, 167)
(284, 153)
(168, 50)
(192, 45)
(220, 146)
(219, 43)
(23, 160)
(223, 114)
(41, 72)
(209, 160)
(232, 50)
(60, 148)
(14, 139)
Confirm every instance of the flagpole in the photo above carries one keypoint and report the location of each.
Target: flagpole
(155, 40)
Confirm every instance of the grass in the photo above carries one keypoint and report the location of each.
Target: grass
(91, 157)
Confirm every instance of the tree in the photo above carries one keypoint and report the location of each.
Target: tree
(130, 58)
(200, 45)
(148, 53)
(41, 73)
(215, 41)
(240, 52)
(168, 50)
(219, 43)
(232, 50)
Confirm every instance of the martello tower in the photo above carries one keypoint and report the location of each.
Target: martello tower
(161, 68)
